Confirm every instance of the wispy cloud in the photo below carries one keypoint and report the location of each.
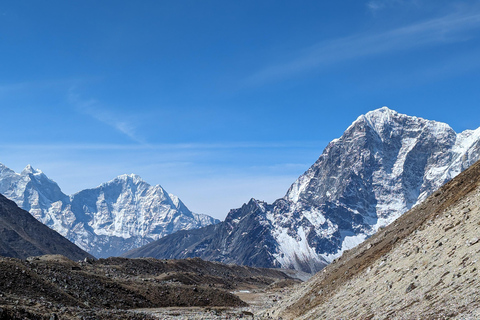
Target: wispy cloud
(376, 5)
(95, 109)
(447, 29)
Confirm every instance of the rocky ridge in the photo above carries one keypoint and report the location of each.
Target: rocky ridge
(384, 164)
(21, 235)
(117, 216)
(424, 265)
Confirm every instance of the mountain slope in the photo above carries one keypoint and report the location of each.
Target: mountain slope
(425, 265)
(21, 235)
(117, 216)
(244, 241)
(383, 165)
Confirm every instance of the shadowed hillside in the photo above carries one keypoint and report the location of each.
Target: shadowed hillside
(21, 235)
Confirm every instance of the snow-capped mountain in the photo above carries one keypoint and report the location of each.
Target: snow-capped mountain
(117, 216)
(383, 165)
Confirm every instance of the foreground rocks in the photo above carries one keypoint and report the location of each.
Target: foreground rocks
(54, 286)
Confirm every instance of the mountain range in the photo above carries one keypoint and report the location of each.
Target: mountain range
(384, 164)
(117, 216)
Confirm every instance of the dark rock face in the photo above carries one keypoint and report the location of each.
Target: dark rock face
(21, 235)
(383, 165)
(243, 238)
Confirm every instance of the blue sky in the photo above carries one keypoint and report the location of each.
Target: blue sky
(221, 101)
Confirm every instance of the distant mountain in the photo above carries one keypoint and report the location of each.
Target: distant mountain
(423, 266)
(21, 235)
(384, 164)
(117, 216)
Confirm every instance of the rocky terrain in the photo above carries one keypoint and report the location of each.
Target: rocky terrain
(117, 216)
(21, 235)
(423, 266)
(384, 164)
(119, 288)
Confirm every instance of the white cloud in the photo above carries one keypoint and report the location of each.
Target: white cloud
(376, 5)
(447, 29)
(94, 109)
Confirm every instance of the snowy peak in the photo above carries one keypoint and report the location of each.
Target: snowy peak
(114, 217)
(128, 178)
(384, 115)
(387, 123)
(381, 137)
(126, 181)
(5, 170)
(30, 170)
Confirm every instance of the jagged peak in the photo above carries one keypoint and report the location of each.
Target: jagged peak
(5, 168)
(383, 110)
(125, 179)
(383, 115)
(134, 177)
(382, 118)
(376, 118)
(258, 203)
(30, 170)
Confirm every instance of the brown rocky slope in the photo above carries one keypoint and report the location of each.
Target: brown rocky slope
(21, 235)
(425, 265)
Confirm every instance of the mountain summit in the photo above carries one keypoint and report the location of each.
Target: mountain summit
(384, 164)
(117, 216)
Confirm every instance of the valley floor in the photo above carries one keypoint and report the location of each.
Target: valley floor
(258, 301)
(54, 287)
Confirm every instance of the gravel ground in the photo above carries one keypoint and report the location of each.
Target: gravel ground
(54, 286)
